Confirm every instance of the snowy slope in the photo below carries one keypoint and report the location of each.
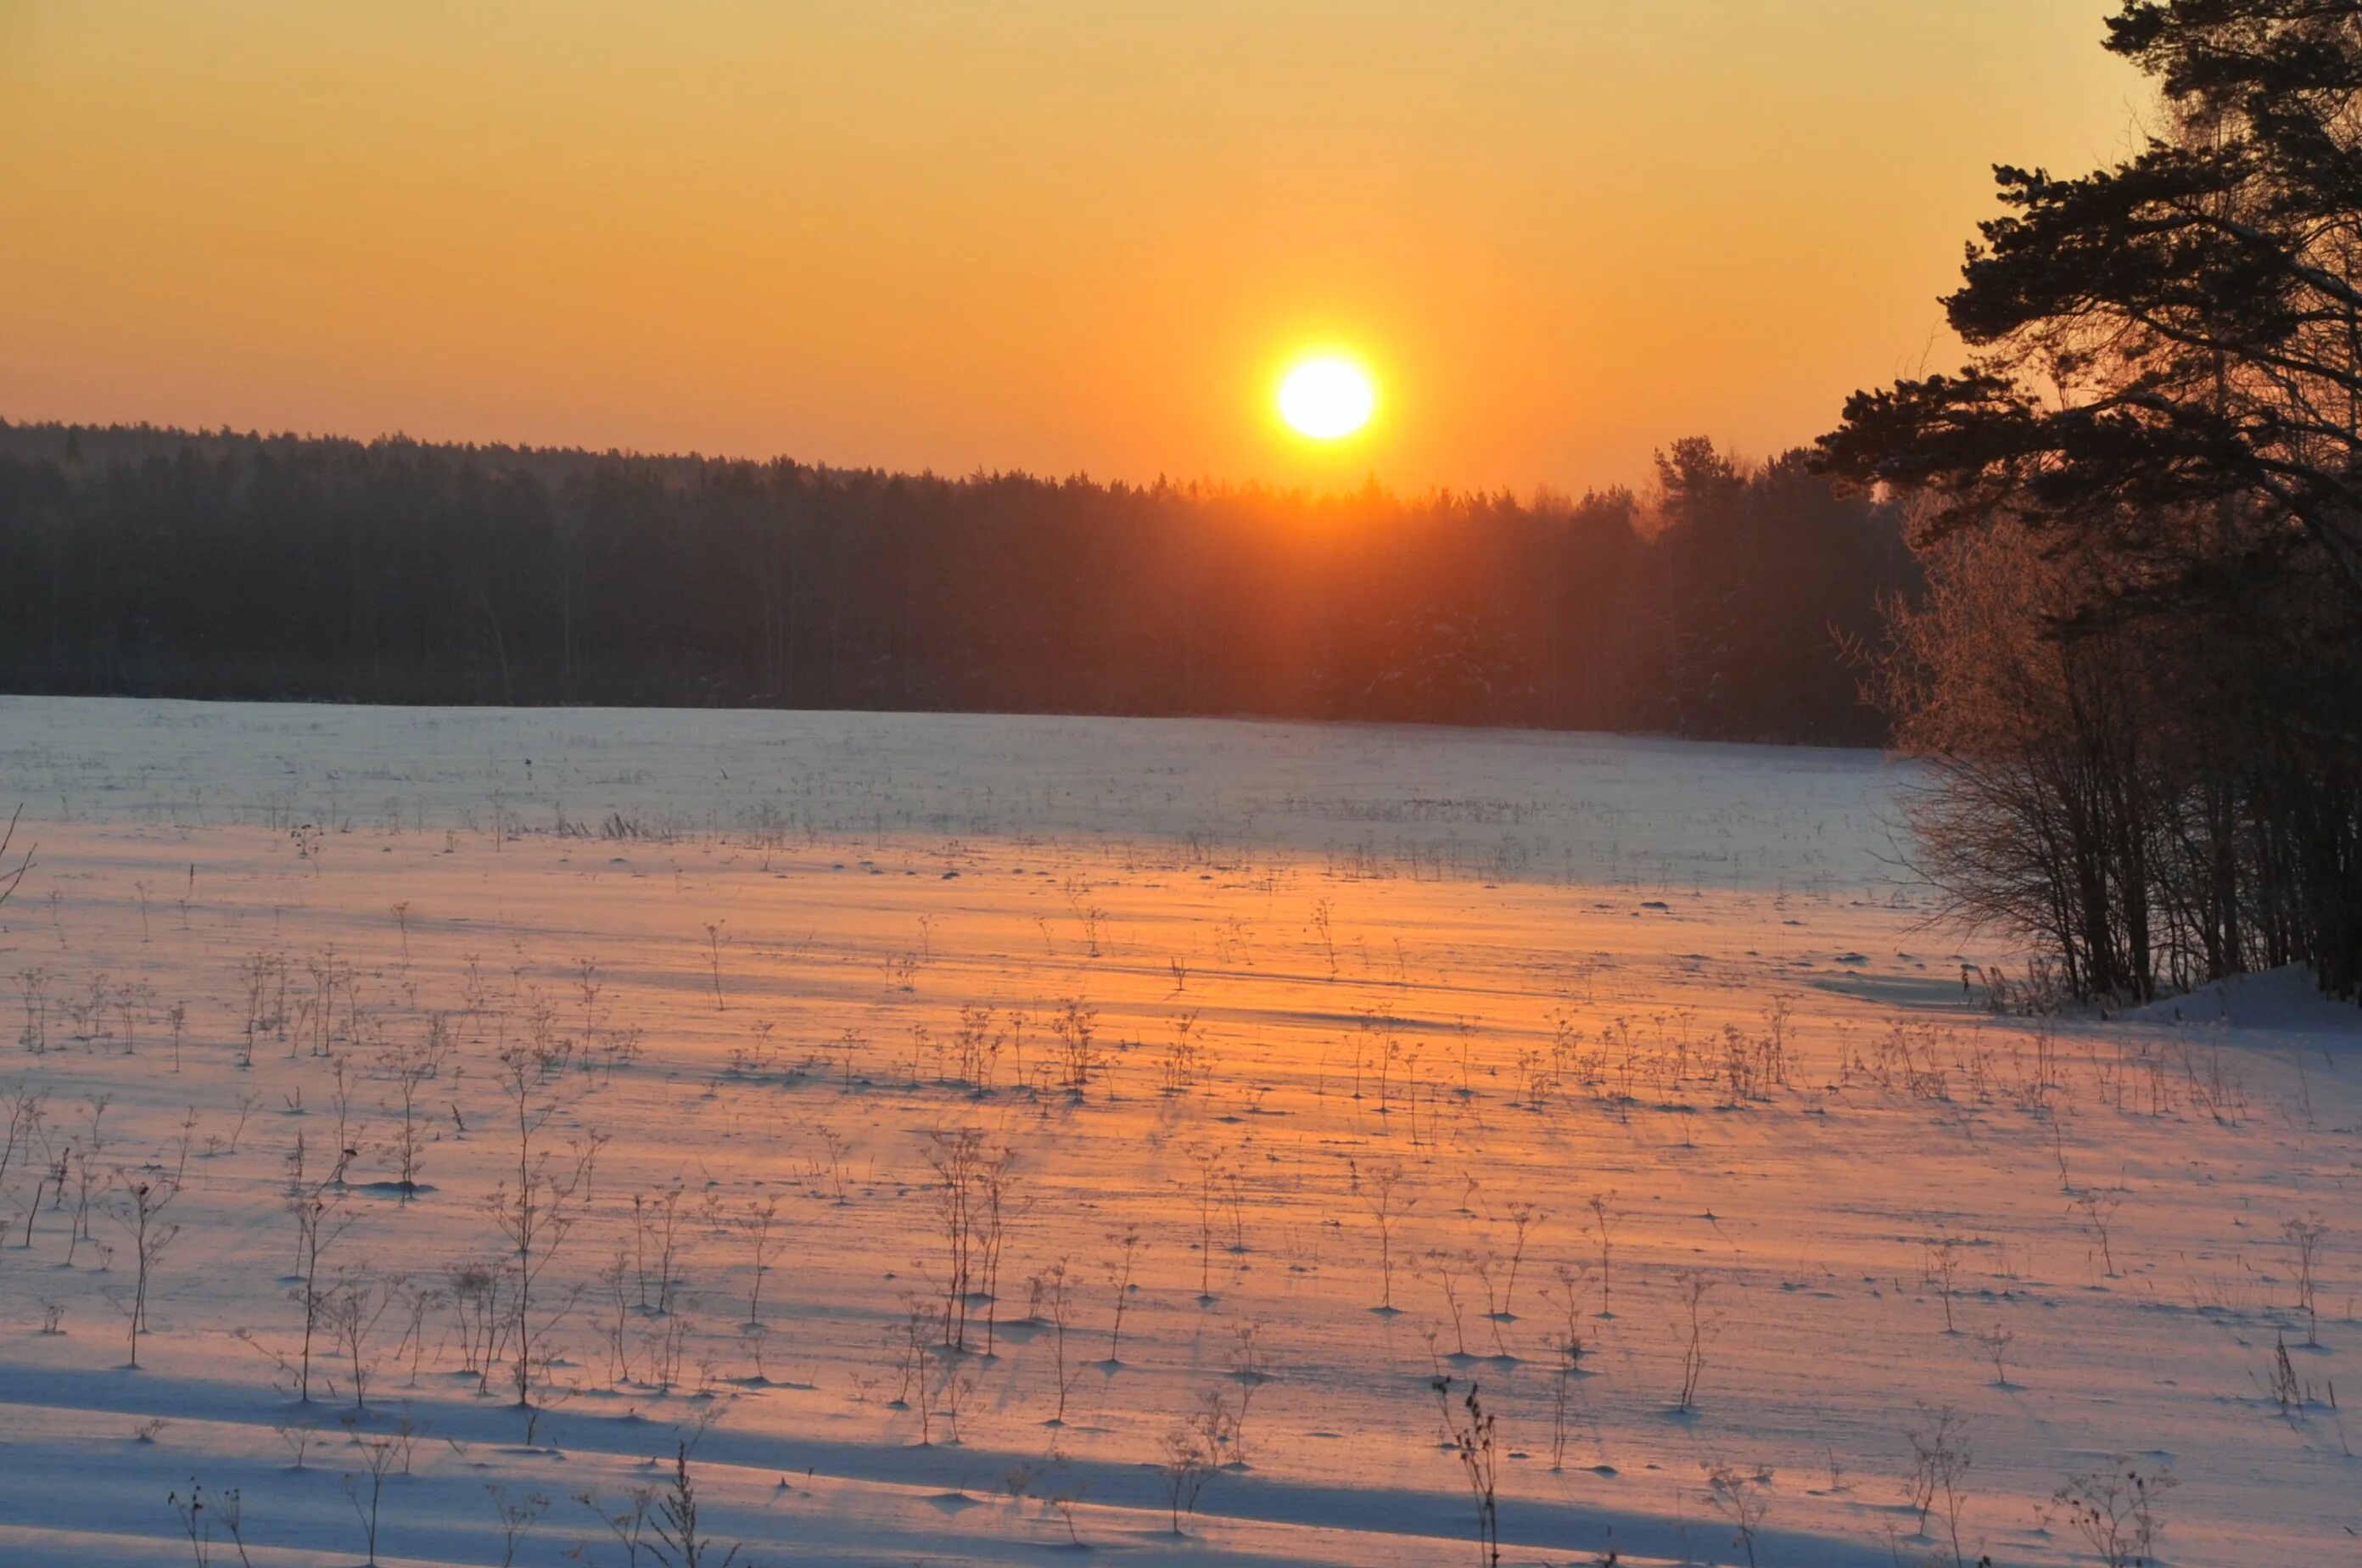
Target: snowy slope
(1386, 1021)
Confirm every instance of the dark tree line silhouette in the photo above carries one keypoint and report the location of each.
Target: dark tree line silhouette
(143, 561)
(2137, 672)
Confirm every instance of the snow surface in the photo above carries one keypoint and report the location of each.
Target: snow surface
(1512, 969)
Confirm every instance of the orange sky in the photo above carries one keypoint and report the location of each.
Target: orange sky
(1080, 235)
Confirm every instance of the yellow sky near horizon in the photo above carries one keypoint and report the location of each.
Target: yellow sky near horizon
(1037, 234)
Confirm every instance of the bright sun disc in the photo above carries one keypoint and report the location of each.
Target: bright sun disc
(1326, 397)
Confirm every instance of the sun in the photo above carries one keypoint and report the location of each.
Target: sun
(1326, 397)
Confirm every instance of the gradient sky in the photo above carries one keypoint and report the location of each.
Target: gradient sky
(1016, 234)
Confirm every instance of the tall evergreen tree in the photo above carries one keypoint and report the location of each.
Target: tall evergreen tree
(2166, 404)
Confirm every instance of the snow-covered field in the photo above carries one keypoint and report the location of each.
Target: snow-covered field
(1330, 1061)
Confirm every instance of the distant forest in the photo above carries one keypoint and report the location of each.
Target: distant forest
(1730, 602)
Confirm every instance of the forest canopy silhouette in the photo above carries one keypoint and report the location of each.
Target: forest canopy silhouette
(2138, 672)
(152, 562)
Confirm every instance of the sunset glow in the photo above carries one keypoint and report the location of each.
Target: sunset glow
(1058, 237)
(1327, 398)
(1271, 781)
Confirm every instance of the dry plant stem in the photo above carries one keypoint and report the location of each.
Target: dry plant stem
(1052, 1288)
(367, 1496)
(1940, 1460)
(1601, 1228)
(2306, 1234)
(2114, 1510)
(535, 1216)
(758, 1221)
(1471, 1438)
(1120, 1273)
(713, 960)
(198, 1512)
(517, 1517)
(1385, 1208)
(1743, 1500)
(140, 1214)
(1693, 1328)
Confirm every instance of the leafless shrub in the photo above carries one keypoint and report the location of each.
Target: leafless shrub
(1522, 1219)
(1996, 1341)
(1941, 1271)
(1940, 1459)
(1567, 1344)
(758, 1221)
(2098, 1212)
(1380, 1192)
(378, 1455)
(1190, 1459)
(1184, 1057)
(199, 1512)
(517, 1517)
(1119, 1271)
(1694, 1328)
(32, 989)
(1251, 1368)
(410, 1067)
(1079, 1054)
(656, 1239)
(834, 1145)
(1323, 928)
(298, 1433)
(1063, 1503)
(26, 1108)
(1448, 1269)
(1087, 914)
(1208, 1162)
(907, 1339)
(1051, 1289)
(141, 1213)
(479, 1315)
(970, 1197)
(419, 1299)
(2114, 1510)
(630, 1524)
(955, 1380)
(617, 1279)
(355, 1306)
(1743, 1497)
(976, 1046)
(1600, 1229)
(668, 1344)
(74, 1162)
(534, 1215)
